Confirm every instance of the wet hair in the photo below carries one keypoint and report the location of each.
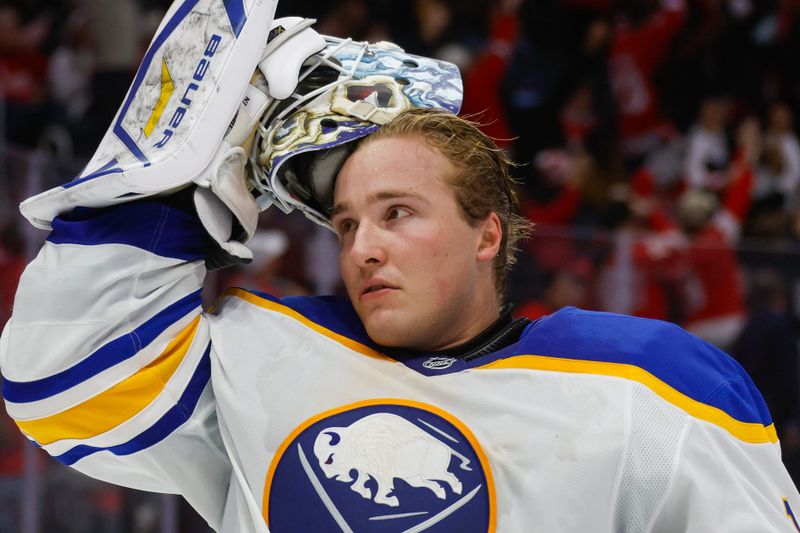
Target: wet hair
(483, 183)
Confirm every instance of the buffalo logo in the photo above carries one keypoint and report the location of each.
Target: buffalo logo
(400, 466)
(387, 447)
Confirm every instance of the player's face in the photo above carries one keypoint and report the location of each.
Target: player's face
(418, 274)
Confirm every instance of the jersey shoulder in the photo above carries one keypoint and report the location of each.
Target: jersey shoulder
(659, 354)
(331, 316)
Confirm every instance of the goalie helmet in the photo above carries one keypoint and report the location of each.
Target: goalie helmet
(346, 92)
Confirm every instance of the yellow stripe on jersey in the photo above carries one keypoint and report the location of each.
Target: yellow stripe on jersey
(753, 433)
(274, 306)
(114, 406)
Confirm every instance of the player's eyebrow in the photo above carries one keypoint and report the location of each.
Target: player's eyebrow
(341, 207)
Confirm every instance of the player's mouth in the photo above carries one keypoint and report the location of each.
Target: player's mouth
(376, 289)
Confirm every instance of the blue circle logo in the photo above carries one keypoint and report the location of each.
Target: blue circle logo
(382, 465)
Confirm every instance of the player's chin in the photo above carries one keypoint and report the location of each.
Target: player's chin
(386, 327)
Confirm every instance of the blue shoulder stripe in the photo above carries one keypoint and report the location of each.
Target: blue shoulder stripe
(331, 312)
(152, 226)
(105, 357)
(169, 422)
(686, 363)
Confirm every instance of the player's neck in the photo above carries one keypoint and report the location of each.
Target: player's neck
(505, 330)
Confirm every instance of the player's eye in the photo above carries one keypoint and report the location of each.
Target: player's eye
(345, 226)
(397, 212)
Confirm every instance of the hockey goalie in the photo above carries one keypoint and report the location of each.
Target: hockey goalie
(416, 403)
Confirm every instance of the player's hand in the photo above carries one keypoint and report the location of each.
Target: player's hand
(226, 208)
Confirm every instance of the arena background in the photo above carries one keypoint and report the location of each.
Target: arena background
(658, 156)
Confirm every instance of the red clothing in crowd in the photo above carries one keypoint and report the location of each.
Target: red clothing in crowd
(22, 76)
(482, 82)
(714, 289)
(11, 442)
(533, 310)
(11, 268)
(636, 53)
(643, 268)
(551, 244)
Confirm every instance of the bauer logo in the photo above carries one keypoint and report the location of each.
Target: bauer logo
(199, 74)
(387, 465)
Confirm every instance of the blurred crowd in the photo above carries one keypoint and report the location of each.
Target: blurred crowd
(656, 142)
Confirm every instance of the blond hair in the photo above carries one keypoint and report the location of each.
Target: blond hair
(483, 184)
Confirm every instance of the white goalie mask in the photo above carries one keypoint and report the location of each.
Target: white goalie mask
(346, 92)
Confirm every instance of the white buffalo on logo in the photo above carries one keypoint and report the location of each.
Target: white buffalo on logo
(385, 447)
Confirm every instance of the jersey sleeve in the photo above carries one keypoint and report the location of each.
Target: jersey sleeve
(724, 484)
(106, 359)
(726, 472)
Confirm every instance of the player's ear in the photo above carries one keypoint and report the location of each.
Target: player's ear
(490, 238)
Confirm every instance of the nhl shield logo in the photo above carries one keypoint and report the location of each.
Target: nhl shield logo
(386, 465)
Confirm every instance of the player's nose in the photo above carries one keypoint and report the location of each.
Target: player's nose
(368, 247)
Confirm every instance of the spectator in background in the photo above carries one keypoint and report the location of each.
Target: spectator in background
(550, 246)
(592, 108)
(542, 73)
(12, 263)
(483, 81)
(767, 349)
(779, 171)
(69, 77)
(691, 58)
(117, 35)
(639, 46)
(556, 90)
(427, 28)
(589, 107)
(787, 67)
(24, 28)
(12, 462)
(707, 152)
(640, 273)
(777, 177)
(712, 290)
(742, 60)
(569, 286)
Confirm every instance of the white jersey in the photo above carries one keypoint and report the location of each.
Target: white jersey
(283, 414)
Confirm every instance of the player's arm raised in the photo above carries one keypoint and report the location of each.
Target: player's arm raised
(106, 358)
